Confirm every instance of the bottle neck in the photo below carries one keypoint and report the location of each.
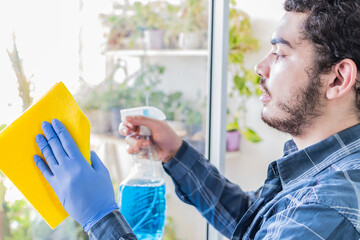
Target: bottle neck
(144, 153)
(146, 163)
(144, 168)
(144, 131)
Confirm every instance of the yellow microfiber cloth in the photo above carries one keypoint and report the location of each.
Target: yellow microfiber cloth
(18, 146)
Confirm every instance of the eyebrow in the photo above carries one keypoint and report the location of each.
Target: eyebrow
(279, 40)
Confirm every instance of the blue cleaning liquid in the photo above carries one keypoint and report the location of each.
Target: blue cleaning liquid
(142, 202)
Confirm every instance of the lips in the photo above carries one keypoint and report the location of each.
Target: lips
(266, 97)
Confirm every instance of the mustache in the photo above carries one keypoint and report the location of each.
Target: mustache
(263, 86)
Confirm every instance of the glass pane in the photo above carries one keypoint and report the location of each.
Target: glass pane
(137, 53)
(38, 47)
(106, 54)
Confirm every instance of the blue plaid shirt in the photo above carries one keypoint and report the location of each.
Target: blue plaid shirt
(313, 193)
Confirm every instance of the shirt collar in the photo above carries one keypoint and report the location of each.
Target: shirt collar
(299, 164)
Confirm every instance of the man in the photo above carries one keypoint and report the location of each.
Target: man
(311, 90)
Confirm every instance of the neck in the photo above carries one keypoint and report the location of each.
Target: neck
(323, 128)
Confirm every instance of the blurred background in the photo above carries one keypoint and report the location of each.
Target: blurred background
(119, 54)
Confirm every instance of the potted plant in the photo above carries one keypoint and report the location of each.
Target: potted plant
(90, 100)
(103, 102)
(193, 23)
(245, 82)
(155, 24)
(233, 136)
(149, 18)
(121, 30)
(171, 36)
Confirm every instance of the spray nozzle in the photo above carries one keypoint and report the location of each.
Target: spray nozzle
(147, 111)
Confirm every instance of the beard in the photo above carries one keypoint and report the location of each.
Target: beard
(300, 110)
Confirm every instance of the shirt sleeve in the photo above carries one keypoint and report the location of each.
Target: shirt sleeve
(112, 227)
(307, 221)
(200, 184)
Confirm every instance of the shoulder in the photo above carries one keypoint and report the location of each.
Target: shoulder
(307, 221)
(323, 207)
(338, 184)
(333, 196)
(340, 191)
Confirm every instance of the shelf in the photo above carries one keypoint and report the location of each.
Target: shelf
(158, 53)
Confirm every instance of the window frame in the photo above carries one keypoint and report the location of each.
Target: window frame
(217, 90)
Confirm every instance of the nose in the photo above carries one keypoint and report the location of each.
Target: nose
(262, 68)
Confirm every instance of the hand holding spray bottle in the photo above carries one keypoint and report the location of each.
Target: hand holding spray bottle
(141, 196)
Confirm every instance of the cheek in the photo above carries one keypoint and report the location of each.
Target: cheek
(280, 81)
(285, 77)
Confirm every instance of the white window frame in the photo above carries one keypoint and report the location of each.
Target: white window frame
(217, 89)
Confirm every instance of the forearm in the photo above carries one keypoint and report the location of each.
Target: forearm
(200, 184)
(112, 227)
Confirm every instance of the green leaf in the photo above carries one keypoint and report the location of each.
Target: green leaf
(247, 92)
(232, 126)
(161, 70)
(255, 79)
(236, 57)
(173, 97)
(2, 126)
(251, 136)
(239, 82)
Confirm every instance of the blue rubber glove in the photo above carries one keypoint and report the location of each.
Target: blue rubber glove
(85, 190)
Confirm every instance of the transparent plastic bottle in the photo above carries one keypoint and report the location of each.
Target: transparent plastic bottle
(141, 197)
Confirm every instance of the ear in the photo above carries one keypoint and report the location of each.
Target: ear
(342, 79)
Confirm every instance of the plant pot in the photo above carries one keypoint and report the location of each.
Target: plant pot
(189, 40)
(154, 38)
(232, 141)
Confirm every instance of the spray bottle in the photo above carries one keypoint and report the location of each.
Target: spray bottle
(141, 196)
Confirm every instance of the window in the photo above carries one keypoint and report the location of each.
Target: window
(152, 53)
(119, 54)
(74, 42)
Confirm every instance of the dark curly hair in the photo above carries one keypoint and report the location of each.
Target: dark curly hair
(334, 28)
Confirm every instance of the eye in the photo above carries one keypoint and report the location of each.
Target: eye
(277, 56)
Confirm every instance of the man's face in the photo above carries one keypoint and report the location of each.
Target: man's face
(293, 95)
